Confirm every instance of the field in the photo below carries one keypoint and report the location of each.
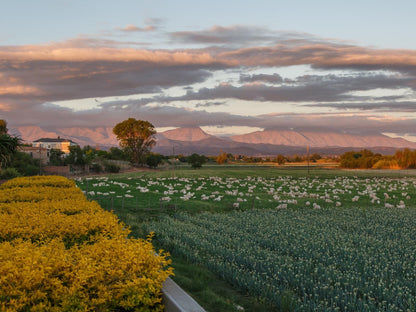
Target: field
(328, 241)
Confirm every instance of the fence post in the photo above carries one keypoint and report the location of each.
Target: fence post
(86, 189)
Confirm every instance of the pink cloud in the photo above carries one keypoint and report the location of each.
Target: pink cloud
(320, 55)
(19, 89)
(134, 28)
(58, 52)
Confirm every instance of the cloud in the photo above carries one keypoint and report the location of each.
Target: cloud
(210, 104)
(133, 28)
(61, 73)
(275, 78)
(309, 88)
(236, 34)
(383, 106)
(151, 25)
(353, 123)
(327, 56)
(33, 76)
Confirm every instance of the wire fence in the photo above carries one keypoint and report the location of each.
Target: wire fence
(150, 204)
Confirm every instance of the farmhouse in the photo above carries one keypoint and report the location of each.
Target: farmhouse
(40, 153)
(58, 143)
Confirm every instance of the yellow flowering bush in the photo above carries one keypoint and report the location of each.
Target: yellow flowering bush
(68, 219)
(104, 276)
(56, 181)
(39, 193)
(61, 252)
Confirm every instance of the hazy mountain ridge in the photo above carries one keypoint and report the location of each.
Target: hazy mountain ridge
(103, 137)
(185, 134)
(194, 140)
(320, 139)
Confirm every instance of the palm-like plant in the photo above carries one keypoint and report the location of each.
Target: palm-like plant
(8, 146)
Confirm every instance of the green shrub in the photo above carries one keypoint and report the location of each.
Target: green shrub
(154, 160)
(9, 173)
(111, 168)
(96, 168)
(196, 161)
(25, 164)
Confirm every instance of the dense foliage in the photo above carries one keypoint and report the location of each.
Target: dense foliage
(136, 137)
(8, 146)
(153, 160)
(60, 252)
(196, 160)
(365, 159)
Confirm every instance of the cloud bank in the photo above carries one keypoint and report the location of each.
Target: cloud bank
(304, 81)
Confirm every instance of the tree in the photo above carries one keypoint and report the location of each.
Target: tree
(3, 126)
(76, 156)
(136, 137)
(55, 157)
(406, 158)
(8, 145)
(363, 159)
(221, 158)
(196, 161)
(154, 160)
(280, 159)
(315, 157)
(117, 154)
(25, 164)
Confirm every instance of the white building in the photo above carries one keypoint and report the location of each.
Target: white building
(58, 143)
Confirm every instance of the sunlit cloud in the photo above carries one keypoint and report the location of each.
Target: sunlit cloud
(16, 90)
(133, 28)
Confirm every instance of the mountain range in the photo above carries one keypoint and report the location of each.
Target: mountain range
(194, 140)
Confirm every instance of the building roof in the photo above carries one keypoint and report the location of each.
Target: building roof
(50, 140)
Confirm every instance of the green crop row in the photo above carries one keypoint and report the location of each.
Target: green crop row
(345, 259)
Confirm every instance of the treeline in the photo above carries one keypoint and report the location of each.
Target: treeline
(98, 160)
(282, 159)
(366, 159)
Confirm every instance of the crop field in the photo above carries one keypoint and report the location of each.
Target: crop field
(324, 242)
(306, 260)
(200, 193)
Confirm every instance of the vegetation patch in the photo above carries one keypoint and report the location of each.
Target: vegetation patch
(301, 241)
(64, 253)
(305, 259)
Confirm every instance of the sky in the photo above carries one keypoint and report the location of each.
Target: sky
(229, 67)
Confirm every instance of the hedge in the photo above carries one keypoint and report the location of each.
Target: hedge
(61, 252)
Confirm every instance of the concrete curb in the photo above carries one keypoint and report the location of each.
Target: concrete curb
(176, 299)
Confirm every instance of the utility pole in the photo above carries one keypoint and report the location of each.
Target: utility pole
(307, 152)
(173, 161)
(40, 159)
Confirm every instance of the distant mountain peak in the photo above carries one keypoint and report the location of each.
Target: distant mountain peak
(191, 134)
